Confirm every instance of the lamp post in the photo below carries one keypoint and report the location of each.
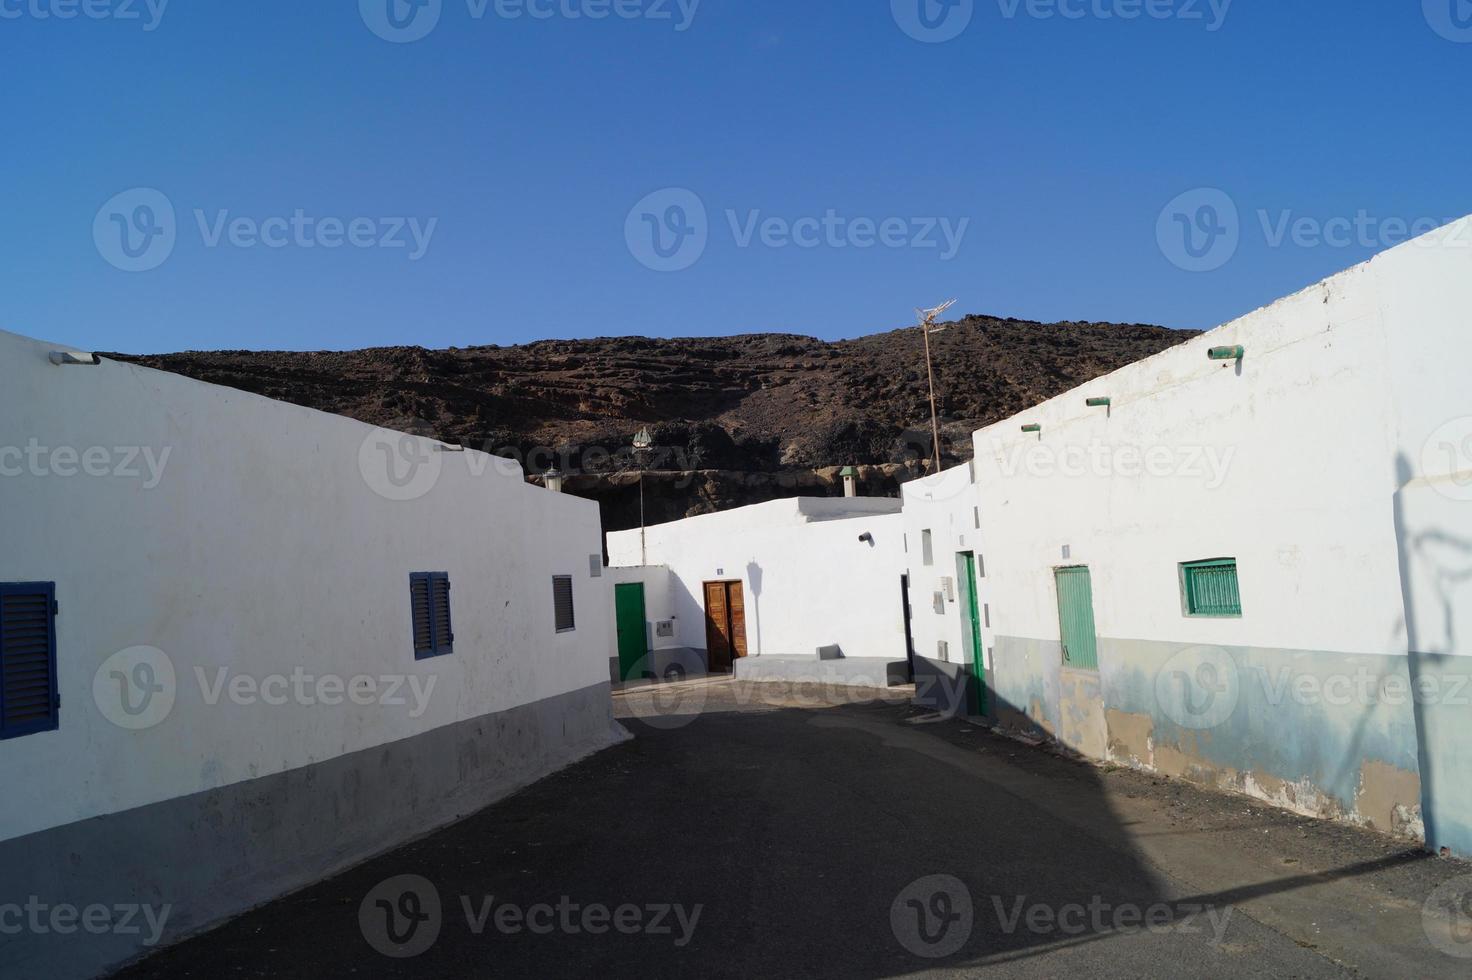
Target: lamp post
(927, 326)
(643, 442)
(553, 479)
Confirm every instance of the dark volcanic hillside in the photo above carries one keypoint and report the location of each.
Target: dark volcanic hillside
(736, 419)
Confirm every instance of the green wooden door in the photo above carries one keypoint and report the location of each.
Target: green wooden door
(1076, 618)
(628, 604)
(971, 630)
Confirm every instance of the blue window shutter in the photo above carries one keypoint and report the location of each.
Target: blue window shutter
(29, 699)
(444, 635)
(429, 602)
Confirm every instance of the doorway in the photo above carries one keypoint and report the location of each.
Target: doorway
(725, 625)
(633, 641)
(1076, 617)
(971, 630)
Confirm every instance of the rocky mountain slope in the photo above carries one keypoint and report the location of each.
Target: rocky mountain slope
(736, 420)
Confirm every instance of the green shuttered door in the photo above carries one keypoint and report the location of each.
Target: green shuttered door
(1076, 618)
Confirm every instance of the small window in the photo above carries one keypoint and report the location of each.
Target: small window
(429, 600)
(562, 603)
(1209, 588)
(927, 556)
(29, 701)
(595, 566)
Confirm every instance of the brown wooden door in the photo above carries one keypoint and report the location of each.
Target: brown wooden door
(736, 602)
(725, 624)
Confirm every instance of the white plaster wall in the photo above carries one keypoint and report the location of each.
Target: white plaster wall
(1288, 465)
(1425, 293)
(808, 580)
(947, 504)
(658, 604)
(263, 549)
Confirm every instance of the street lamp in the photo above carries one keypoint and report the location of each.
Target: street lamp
(927, 326)
(553, 479)
(643, 443)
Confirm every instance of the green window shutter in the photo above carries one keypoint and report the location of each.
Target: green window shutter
(1211, 588)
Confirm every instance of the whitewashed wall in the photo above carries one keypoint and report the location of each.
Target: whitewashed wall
(947, 505)
(808, 579)
(261, 550)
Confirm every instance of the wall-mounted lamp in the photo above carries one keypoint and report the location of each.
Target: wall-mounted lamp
(553, 478)
(61, 357)
(1098, 402)
(1227, 353)
(1034, 427)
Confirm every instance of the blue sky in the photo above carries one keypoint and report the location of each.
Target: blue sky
(813, 167)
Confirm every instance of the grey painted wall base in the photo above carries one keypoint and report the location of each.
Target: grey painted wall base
(1335, 735)
(216, 854)
(673, 663)
(942, 686)
(844, 672)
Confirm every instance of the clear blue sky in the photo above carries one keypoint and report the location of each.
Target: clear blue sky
(529, 141)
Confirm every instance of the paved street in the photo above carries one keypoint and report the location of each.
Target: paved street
(754, 831)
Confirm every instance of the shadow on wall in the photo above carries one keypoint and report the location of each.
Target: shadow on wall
(1434, 565)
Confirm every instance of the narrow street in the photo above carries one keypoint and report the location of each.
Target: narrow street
(751, 831)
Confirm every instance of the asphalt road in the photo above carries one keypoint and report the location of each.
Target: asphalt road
(749, 832)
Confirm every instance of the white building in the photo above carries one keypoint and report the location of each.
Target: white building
(762, 589)
(1256, 572)
(244, 684)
